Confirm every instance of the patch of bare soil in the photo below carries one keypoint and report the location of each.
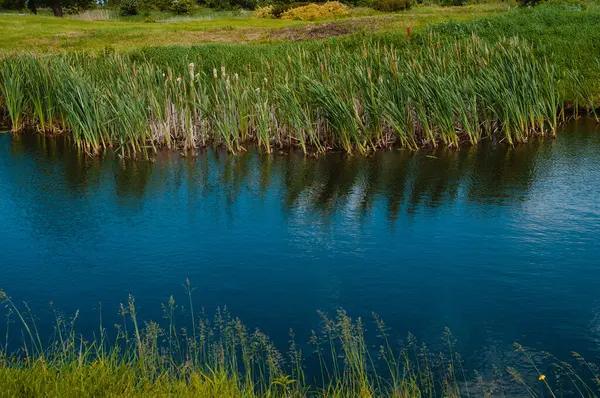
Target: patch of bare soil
(320, 31)
(317, 30)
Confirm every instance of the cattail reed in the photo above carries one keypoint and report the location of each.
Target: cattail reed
(440, 93)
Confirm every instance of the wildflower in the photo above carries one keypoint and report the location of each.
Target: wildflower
(222, 71)
(542, 377)
(215, 73)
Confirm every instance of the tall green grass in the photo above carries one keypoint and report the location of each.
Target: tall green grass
(566, 33)
(439, 93)
(219, 357)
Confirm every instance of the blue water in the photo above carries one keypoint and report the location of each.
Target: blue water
(499, 244)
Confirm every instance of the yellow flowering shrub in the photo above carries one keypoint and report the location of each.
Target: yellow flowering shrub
(264, 12)
(312, 11)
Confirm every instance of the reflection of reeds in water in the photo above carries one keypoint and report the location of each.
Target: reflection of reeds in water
(441, 93)
(220, 357)
(406, 181)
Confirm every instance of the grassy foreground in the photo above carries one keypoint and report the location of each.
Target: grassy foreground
(220, 357)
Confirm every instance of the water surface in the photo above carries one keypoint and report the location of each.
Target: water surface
(500, 244)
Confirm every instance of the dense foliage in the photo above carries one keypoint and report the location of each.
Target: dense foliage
(391, 5)
(181, 6)
(129, 7)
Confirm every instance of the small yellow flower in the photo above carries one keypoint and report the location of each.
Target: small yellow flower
(542, 377)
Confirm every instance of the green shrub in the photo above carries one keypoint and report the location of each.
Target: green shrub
(181, 7)
(392, 5)
(243, 4)
(279, 9)
(218, 4)
(129, 7)
(78, 7)
(162, 5)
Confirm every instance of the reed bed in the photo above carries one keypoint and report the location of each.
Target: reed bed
(220, 357)
(440, 93)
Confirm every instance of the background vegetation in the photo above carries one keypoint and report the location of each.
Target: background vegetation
(134, 7)
(100, 29)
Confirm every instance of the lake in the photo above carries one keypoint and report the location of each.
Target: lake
(499, 244)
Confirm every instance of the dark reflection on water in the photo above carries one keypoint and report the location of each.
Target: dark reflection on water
(498, 243)
(407, 182)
